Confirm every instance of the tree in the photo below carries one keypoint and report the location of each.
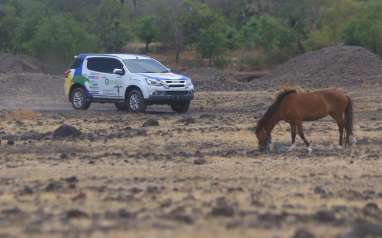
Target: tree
(335, 17)
(366, 29)
(112, 25)
(60, 37)
(267, 33)
(8, 22)
(194, 17)
(147, 30)
(212, 41)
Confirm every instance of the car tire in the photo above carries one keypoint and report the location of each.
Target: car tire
(121, 106)
(136, 102)
(181, 107)
(79, 99)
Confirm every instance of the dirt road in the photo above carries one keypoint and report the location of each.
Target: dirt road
(196, 175)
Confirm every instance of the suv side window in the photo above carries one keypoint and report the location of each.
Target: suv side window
(103, 64)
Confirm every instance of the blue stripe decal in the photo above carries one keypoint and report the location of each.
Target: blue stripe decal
(78, 71)
(158, 78)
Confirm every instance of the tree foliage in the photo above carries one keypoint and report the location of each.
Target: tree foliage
(366, 29)
(147, 30)
(274, 29)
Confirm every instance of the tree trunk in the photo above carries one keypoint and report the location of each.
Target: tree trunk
(135, 7)
(147, 46)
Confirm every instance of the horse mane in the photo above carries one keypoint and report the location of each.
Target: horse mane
(273, 108)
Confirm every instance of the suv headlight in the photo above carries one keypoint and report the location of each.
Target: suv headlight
(154, 82)
(188, 82)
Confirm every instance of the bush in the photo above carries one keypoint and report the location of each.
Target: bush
(212, 40)
(146, 30)
(267, 33)
(252, 61)
(366, 30)
(318, 40)
(222, 61)
(60, 36)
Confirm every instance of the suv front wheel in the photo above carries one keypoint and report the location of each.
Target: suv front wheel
(181, 107)
(136, 102)
(79, 100)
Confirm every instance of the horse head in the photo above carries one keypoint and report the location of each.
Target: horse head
(264, 139)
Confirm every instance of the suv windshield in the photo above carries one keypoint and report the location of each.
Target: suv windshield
(145, 66)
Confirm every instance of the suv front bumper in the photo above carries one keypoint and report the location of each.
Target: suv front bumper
(169, 97)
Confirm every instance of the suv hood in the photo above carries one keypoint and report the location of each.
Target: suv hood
(163, 76)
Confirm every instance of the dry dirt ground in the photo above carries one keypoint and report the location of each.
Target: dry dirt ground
(196, 175)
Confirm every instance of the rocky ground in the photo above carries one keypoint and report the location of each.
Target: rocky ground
(104, 173)
(194, 175)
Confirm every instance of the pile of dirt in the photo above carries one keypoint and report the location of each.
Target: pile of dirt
(212, 79)
(332, 66)
(19, 64)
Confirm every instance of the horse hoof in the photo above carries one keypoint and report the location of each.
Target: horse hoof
(292, 147)
(353, 140)
(310, 150)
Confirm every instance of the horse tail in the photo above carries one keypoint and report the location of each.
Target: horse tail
(348, 121)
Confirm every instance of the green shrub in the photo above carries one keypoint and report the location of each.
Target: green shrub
(366, 30)
(222, 61)
(252, 61)
(267, 33)
(60, 37)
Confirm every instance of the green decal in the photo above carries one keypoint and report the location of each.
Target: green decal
(80, 80)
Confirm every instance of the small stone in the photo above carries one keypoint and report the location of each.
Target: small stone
(64, 156)
(200, 161)
(225, 211)
(222, 208)
(72, 179)
(198, 154)
(302, 233)
(150, 123)
(74, 213)
(54, 186)
(27, 190)
(186, 121)
(10, 142)
(325, 216)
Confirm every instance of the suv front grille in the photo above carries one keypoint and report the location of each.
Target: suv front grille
(177, 93)
(176, 83)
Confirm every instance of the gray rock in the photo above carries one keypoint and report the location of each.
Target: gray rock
(150, 123)
(200, 161)
(65, 131)
(302, 233)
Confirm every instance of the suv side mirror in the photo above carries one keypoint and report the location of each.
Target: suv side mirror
(119, 71)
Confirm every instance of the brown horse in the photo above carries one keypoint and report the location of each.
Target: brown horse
(295, 108)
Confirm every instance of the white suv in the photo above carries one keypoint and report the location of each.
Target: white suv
(132, 82)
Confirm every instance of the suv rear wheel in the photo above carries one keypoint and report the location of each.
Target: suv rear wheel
(136, 102)
(79, 100)
(181, 107)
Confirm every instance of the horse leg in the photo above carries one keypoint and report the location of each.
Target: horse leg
(341, 126)
(293, 130)
(301, 134)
